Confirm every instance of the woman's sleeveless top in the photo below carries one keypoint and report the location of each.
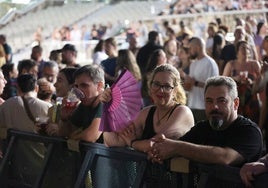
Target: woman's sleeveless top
(149, 131)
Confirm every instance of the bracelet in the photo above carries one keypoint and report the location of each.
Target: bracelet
(196, 83)
(132, 141)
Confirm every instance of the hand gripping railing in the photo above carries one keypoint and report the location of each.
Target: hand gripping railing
(101, 167)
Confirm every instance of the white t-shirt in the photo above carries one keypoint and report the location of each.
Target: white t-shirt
(200, 70)
(98, 57)
(209, 43)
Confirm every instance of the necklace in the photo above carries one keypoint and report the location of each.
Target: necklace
(165, 115)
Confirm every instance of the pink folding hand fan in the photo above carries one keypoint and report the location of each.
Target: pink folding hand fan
(125, 104)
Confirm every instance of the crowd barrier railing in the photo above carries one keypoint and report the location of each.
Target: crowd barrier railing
(66, 163)
(82, 156)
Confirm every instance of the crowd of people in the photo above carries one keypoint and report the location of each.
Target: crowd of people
(204, 99)
(184, 7)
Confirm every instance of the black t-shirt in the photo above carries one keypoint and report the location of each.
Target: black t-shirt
(109, 66)
(84, 115)
(242, 135)
(228, 53)
(144, 54)
(8, 51)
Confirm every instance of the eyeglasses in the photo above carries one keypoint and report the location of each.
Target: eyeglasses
(166, 88)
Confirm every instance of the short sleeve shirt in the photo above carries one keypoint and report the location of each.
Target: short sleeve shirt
(84, 115)
(242, 135)
(8, 50)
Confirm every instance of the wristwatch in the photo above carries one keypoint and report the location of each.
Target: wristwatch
(196, 83)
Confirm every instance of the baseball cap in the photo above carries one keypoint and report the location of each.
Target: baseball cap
(69, 47)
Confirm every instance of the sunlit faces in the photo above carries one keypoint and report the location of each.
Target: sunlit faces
(33, 71)
(90, 89)
(162, 88)
(2, 82)
(162, 58)
(50, 73)
(67, 56)
(109, 48)
(182, 54)
(210, 31)
(243, 50)
(171, 47)
(62, 86)
(36, 54)
(133, 41)
(193, 50)
(239, 33)
(220, 106)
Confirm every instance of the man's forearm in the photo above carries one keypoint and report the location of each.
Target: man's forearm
(208, 154)
(65, 128)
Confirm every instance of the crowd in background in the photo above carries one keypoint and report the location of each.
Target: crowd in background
(195, 57)
(196, 6)
(169, 43)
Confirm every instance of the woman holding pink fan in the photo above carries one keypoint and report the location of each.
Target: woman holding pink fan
(168, 116)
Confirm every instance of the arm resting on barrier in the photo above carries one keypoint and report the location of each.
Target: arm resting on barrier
(121, 138)
(166, 148)
(90, 134)
(113, 139)
(64, 128)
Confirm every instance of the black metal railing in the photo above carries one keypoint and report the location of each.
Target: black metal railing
(32, 160)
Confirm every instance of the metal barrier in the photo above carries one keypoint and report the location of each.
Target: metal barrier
(33, 160)
(95, 165)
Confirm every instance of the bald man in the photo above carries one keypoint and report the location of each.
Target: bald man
(202, 68)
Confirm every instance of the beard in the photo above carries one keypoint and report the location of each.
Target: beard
(216, 122)
(193, 56)
(64, 61)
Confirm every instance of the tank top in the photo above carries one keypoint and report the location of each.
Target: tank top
(149, 131)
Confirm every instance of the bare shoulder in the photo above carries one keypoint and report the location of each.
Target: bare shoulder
(180, 122)
(227, 68)
(145, 110)
(183, 113)
(183, 109)
(143, 113)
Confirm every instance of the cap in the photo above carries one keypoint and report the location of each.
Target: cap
(182, 24)
(69, 47)
(229, 37)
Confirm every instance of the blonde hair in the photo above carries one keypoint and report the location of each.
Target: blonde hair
(126, 60)
(180, 96)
